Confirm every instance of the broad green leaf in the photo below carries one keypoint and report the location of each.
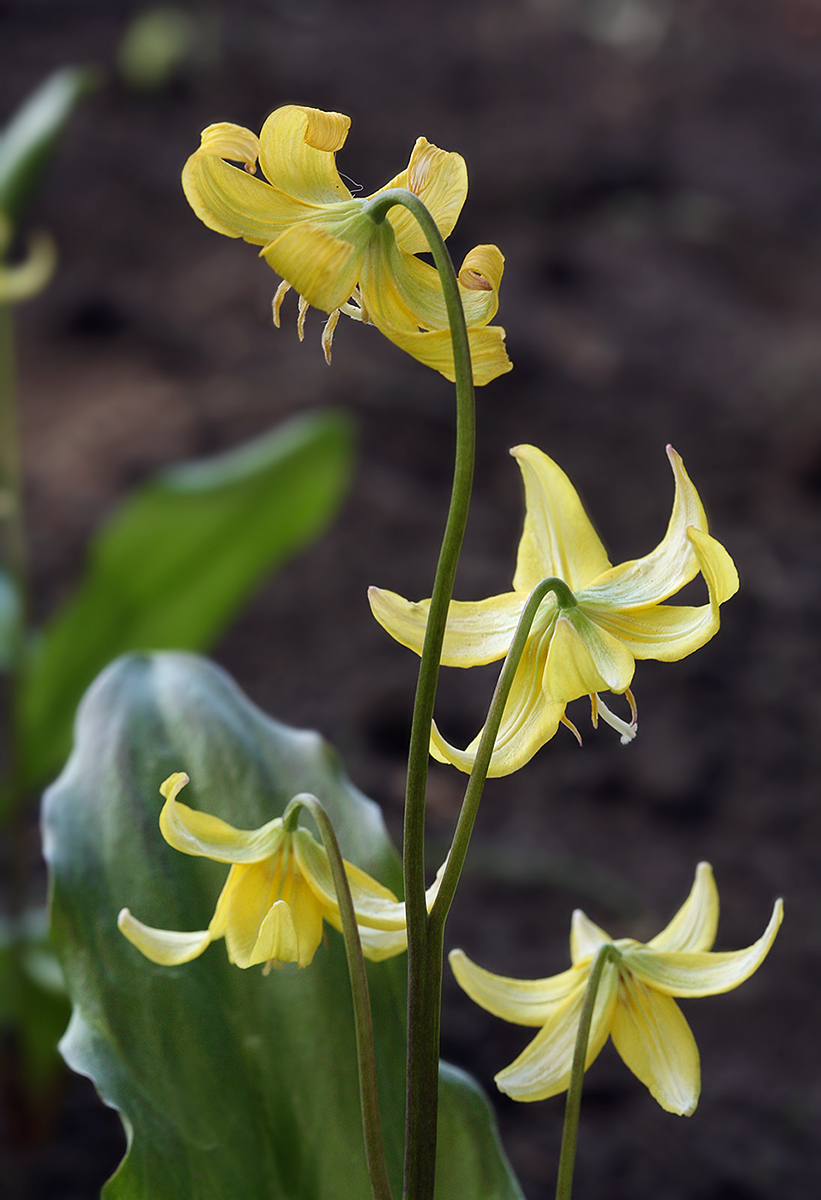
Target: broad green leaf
(176, 562)
(230, 1083)
(28, 140)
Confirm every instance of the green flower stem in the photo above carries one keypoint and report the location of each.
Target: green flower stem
(567, 1158)
(424, 953)
(368, 1088)
(478, 775)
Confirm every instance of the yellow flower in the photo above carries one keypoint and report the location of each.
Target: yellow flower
(278, 892)
(634, 1003)
(586, 638)
(317, 236)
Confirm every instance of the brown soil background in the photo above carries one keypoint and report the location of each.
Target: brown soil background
(659, 206)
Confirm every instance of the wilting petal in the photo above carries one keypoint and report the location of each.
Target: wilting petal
(585, 937)
(205, 836)
(651, 1035)
(584, 659)
(164, 946)
(520, 1001)
(543, 1068)
(440, 180)
(702, 973)
(530, 719)
(297, 153)
(375, 905)
(558, 538)
(694, 925)
(488, 355)
(477, 632)
(322, 263)
(649, 580)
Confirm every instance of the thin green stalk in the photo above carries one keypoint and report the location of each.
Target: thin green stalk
(366, 1053)
(424, 959)
(484, 752)
(567, 1158)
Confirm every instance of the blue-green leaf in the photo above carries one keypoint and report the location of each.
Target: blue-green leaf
(231, 1083)
(177, 561)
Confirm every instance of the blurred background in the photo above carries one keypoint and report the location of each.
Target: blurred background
(651, 170)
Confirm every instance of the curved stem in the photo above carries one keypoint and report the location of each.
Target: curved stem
(424, 958)
(368, 1088)
(484, 752)
(567, 1158)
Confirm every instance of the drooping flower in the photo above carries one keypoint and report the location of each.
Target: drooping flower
(586, 636)
(277, 895)
(319, 238)
(634, 1004)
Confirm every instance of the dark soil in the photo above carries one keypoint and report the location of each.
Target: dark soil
(652, 172)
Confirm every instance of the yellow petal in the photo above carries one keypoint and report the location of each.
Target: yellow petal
(375, 905)
(20, 281)
(322, 262)
(203, 835)
(649, 580)
(694, 925)
(230, 200)
(519, 1001)
(651, 1035)
(585, 937)
(297, 153)
(543, 1067)
(558, 539)
(531, 718)
(584, 659)
(477, 632)
(277, 940)
(702, 973)
(249, 893)
(488, 356)
(440, 180)
(164, 946)
(379, 944)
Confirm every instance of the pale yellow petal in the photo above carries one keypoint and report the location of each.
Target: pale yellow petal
(478, 631)
(651, 1035)
(374, 905)
(585, 937)
(440, 180)
(205, 836)
(21, 280)
(584, 659)
(702, 973)
(307, 914)
(694, 925)
(164, 946)
(277, 940)
(379, 944)
(488, 355)
(649, 580)
(558, 538)
(297, 153)
(543, 1068)
(321, 261)
(519, 1001)
(249, 893)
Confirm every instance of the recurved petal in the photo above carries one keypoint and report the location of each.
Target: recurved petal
(520, 1001)
(584, 659)
(558, 538)
(585, 937)
(164, 946)
(649, 580)
(231, 200)
(488, 355)
(702, 973)
(694, 925)
(651, 1035)
(477, 631)
(530, 719)
(440, 179)
(205, 836)
(375, 905)
(297, 153)
(543, 1067)
(379, 944)
(321, 260)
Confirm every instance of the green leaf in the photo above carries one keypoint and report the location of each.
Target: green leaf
(178, 560)
(29, 138)
(231, 1083)
(10, 611)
